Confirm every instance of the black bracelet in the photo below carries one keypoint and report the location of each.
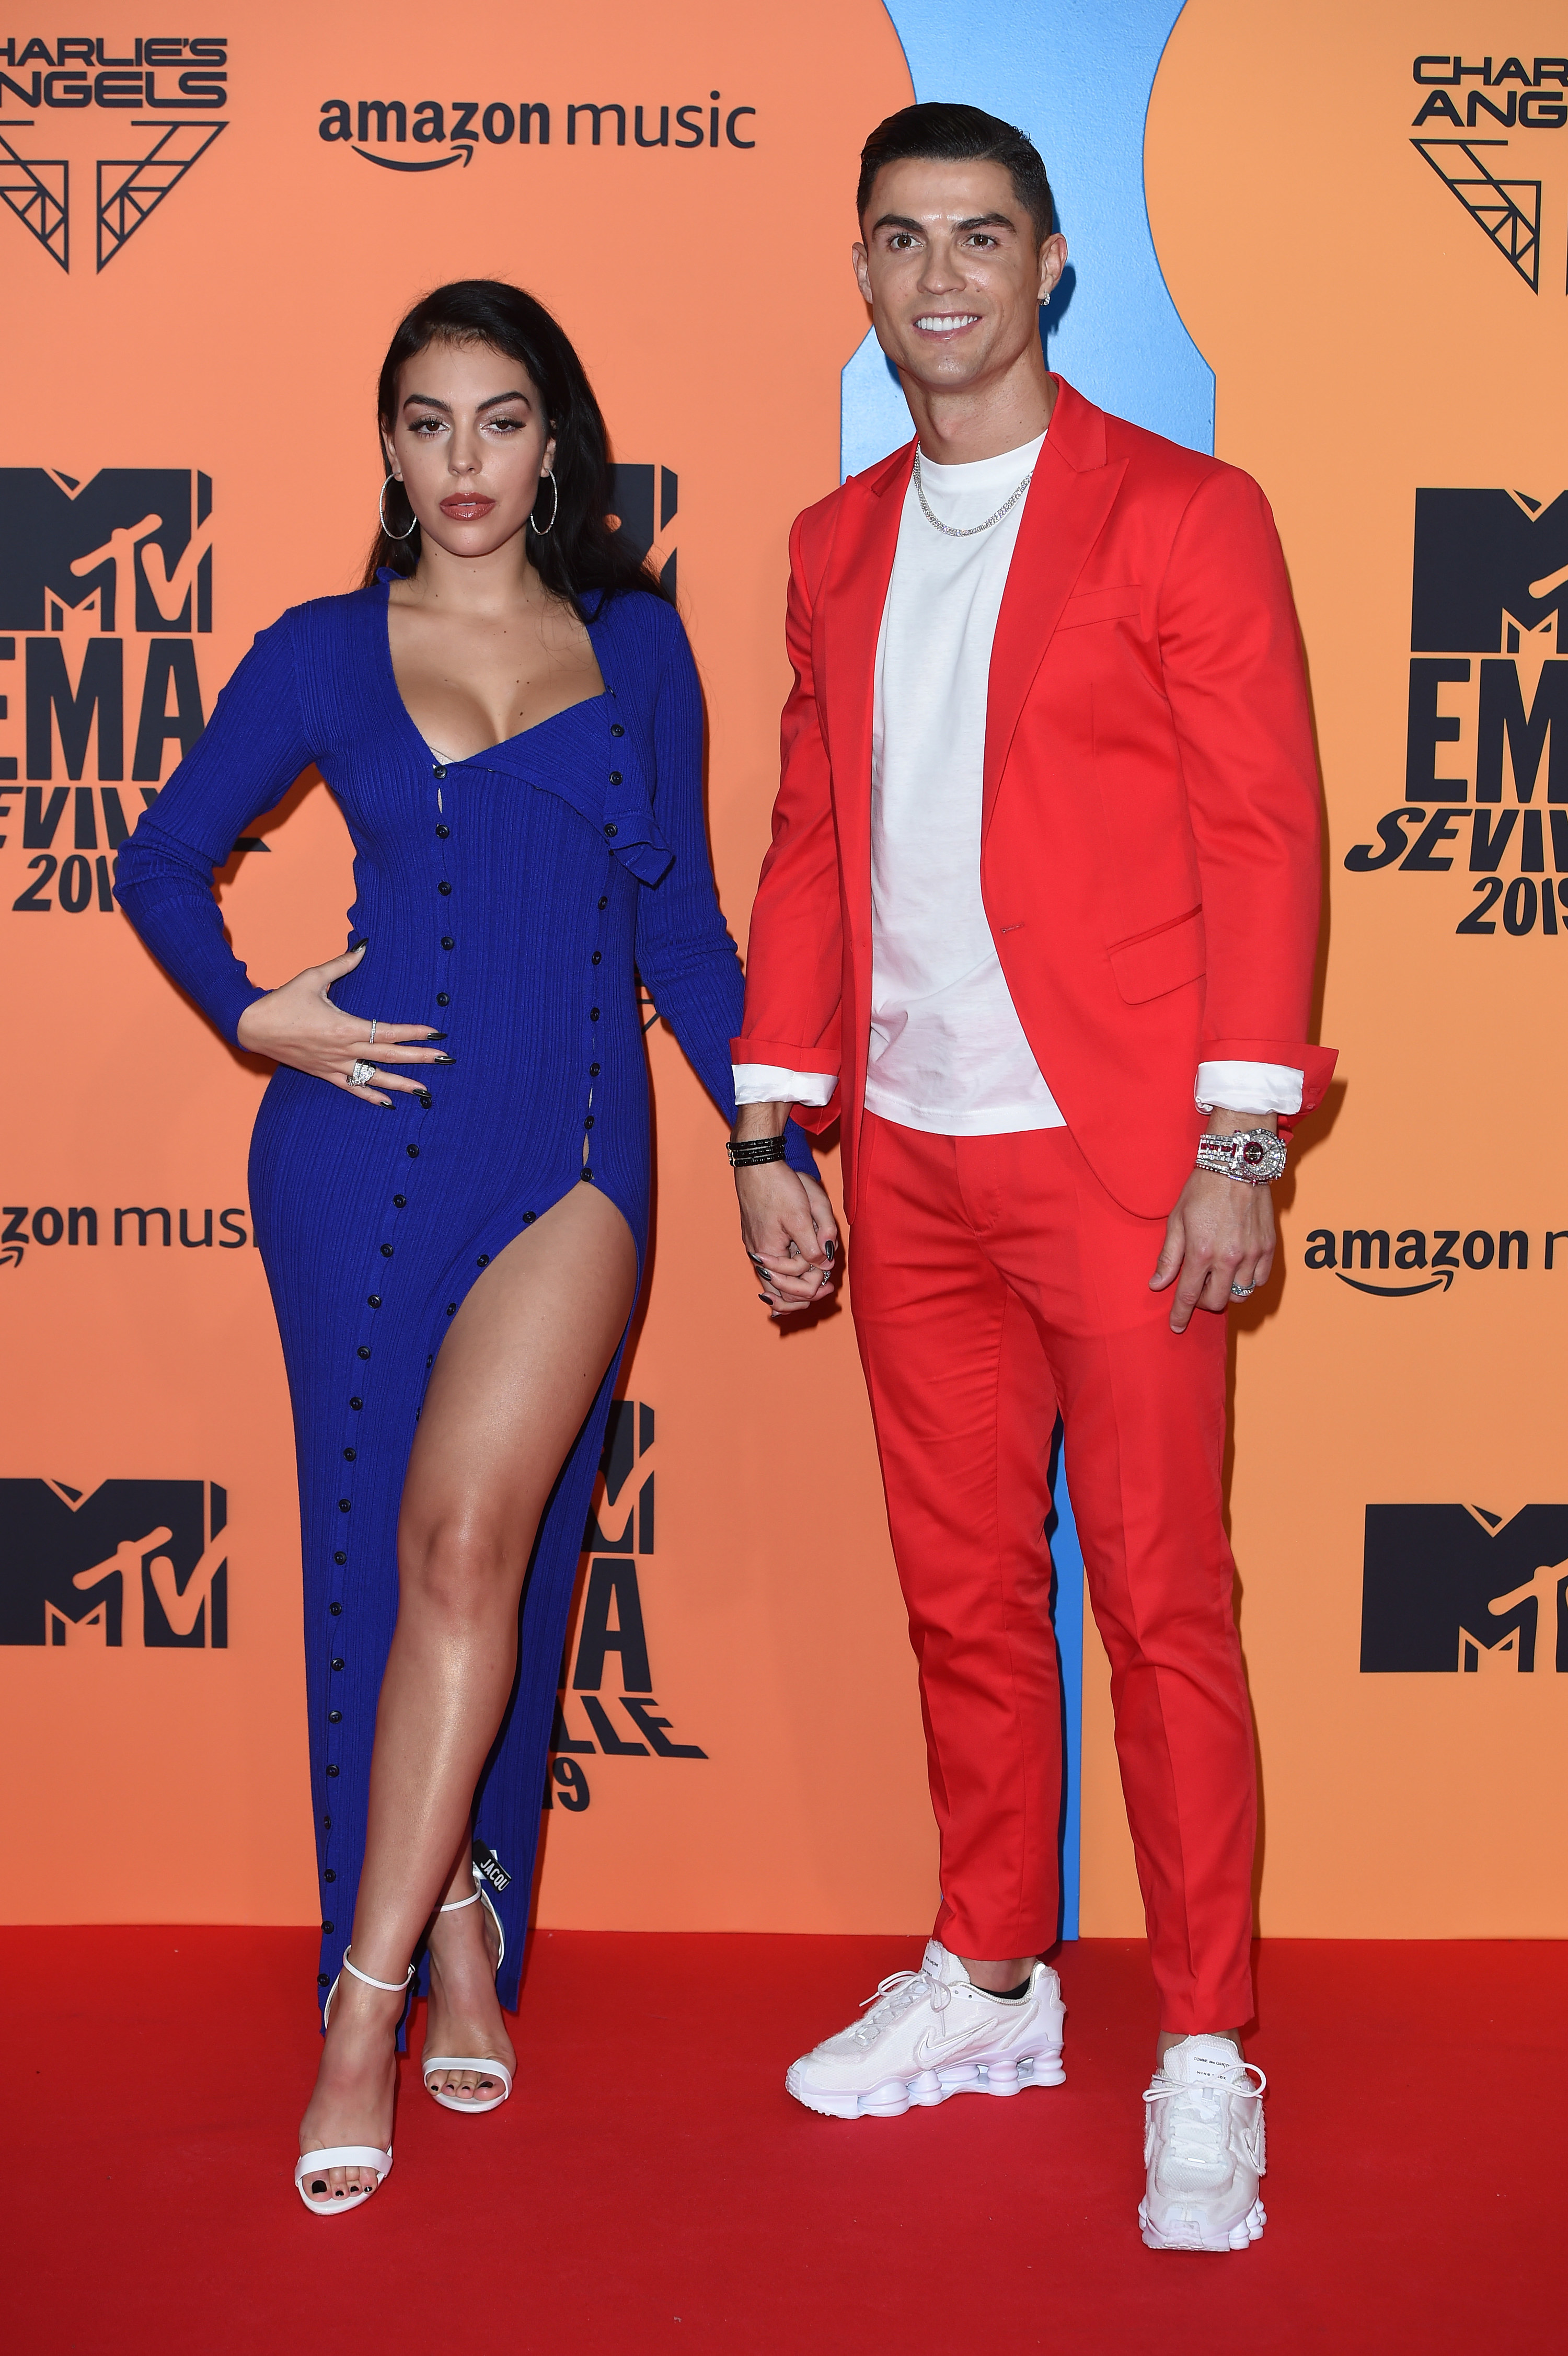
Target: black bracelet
(756, 1150)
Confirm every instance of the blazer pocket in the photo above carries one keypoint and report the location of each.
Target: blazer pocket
(1153, 962)
(1102, 606)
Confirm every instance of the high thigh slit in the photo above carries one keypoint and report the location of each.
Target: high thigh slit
(511, 901)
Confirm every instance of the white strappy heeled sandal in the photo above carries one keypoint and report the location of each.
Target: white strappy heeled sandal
(483, 2065)
(347, 2155)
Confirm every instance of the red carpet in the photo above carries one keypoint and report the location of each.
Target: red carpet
(650, 2186)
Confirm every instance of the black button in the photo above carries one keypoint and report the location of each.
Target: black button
(451, 1308)
(617, 729)
(373, 1300)
(338, 1665)
(400, 1202)
(443, 888)
(589, 1122)
(528, 1218)
(593, 1014)
(447, 942)
(443, 832)
(425, 1098)
(326, 1823)
(438, 772)
(614, 776)
(340, 1556)
(604, 900)
(343, 1504)
(329, 1926)
(484, 1260)
(362, 1352)
(444, 997)
(320, 1980)
(331, 1770)
(355, 1404)
(587, 1177)
(330, 1875)
(413, 1152)
(349, 1455)
(597, 957)
(334, 1718)
(336, 1609)
(612, 830)
(594, 1071)
(385, 1251)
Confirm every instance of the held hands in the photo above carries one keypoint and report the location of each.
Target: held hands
(1220, 1235)
(790, 1234)
(299, 1024)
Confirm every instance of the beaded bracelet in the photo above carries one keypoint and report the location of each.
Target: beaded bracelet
(756, 1150)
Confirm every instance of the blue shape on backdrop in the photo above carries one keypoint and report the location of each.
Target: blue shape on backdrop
(1078, 77)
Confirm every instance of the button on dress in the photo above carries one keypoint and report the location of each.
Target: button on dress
(510, 901)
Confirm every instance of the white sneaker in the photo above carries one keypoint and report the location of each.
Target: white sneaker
(933, 2033)
(1203, 2148)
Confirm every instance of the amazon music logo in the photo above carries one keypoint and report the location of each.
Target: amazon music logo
(128, 1563)
(610, 1649)
(1486, 772)
(428, 134)
(136, 1226)
(106, 587)
(125, 119)
(1460, 1589)
(1398, 1264)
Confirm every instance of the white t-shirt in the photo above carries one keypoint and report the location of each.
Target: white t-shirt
(947, 1051)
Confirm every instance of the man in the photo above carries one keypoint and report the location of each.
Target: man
(1042, 892)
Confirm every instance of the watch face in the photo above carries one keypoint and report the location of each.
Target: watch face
(1262, 1157)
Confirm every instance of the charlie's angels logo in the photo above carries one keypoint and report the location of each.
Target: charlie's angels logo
(128, 1563)
(135, 115)
(1486, 783)
(106, 587)
(1487, 172)
(1460, 1589)
(612, 1645)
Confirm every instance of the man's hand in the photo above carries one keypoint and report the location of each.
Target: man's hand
(786, 1221)
(1221, 1235)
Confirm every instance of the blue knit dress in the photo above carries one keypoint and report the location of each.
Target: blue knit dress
(510, 901)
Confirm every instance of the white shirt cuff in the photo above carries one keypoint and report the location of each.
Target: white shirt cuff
(771, 1084)
(1248, 1087)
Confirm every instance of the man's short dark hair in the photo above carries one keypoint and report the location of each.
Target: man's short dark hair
(941, 134)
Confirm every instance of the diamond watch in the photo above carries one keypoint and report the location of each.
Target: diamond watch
(1255, 1156)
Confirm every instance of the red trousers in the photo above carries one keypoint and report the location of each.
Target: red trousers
(994, 1281)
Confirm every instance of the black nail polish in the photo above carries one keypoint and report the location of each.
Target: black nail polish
(433, 1034)
(829, 1249)
(446, 1059)
(363, 942)
(766, 1302)
(318, 2184)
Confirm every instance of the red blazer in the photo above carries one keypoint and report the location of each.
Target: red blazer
(1150, 856)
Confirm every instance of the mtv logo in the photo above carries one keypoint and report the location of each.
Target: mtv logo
(1488, 563)
(128, 550)
(143, 1562)
(632, 492)
(628, 1438)
(1459, 1589)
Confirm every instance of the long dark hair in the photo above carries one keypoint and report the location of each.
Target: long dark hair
(580, 556)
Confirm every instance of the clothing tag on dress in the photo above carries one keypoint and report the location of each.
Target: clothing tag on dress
(490, 1866)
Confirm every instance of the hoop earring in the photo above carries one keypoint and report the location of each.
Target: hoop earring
(381, 510)
(544, 530)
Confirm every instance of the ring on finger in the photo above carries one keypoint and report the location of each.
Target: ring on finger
(360, 1074)
(374, 1028)
(1243, 1291)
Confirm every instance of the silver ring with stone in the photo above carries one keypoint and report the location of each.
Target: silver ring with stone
(373, 1030)
(360, 1074)
(1243, 1291)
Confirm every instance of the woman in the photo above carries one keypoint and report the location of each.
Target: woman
(508, 715)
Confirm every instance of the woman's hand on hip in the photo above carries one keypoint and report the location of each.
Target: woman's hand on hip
(299, 1025)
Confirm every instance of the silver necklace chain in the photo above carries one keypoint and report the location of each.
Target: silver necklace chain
(968, 531)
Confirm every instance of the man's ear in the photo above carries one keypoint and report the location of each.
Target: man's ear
(860, 265)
